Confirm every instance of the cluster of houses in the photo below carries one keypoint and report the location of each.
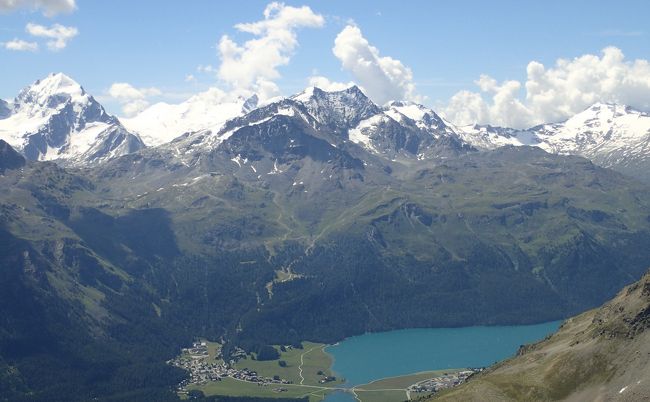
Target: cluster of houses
(444, 381)
(202, 369)
(326, 378)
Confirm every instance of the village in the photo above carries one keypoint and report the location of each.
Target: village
(444, 381)
(202, 369)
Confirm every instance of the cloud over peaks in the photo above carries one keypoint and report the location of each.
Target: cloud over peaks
(383, 78)
(556, 93)
(253, 65)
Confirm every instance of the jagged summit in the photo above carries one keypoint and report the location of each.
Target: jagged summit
(338, 110)
(41, 91)
(308, 92)
(341, 119)
(56, 119)
(56, 92)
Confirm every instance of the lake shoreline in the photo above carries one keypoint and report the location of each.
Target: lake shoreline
(374, 367)
(478, 346)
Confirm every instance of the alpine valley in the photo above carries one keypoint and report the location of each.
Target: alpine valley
(309, 218)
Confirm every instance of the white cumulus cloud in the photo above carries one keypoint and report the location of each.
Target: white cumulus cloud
(253, 65)
(556, 93)
(382, 77)
(21, 45)
(48, 7)
(132, 99)
(58, 34)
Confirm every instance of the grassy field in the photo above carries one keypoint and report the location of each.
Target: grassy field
(311, 358)
(232, 387)
(314, 359)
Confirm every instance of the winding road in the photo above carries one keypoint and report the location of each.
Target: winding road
(302, 361)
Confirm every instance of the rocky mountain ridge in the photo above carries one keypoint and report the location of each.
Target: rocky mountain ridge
(55, 119)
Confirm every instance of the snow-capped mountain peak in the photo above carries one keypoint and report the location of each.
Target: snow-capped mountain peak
(53, 89)
(208, 110)
(305, 95)
(602, 115)
(412, 110)
(55, 119)
(339, 110)
(609, 134)
(420, 115)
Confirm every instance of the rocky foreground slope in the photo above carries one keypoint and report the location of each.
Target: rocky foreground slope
(600, 355)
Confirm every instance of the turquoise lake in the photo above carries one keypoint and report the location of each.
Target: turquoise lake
(365, 358)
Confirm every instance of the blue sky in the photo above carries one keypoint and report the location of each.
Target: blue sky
(446, 45)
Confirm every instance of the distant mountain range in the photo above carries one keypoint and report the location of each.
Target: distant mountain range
(55, 119)
(610, 135)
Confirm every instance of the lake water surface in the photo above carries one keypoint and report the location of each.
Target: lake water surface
(365, 358)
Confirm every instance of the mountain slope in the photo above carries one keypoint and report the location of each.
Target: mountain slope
(603, 354)
(461, 232)
(55, 119)
(71, 309)
(9, 158)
